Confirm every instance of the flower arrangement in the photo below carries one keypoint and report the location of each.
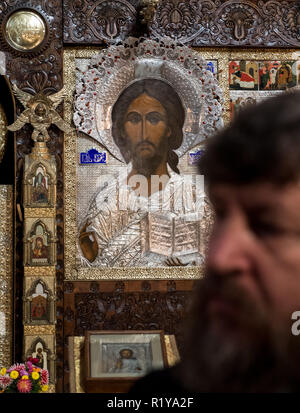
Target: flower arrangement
(24, 378)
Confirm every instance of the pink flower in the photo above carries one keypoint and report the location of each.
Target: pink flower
(44, 377)
(24, 386)
(18, 367)
(29, 366)
(5, 381)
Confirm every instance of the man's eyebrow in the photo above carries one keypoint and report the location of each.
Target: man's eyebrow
(132, 113)
(154, 112)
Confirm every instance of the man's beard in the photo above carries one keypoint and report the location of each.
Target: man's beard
(147, 165)
(235, 350)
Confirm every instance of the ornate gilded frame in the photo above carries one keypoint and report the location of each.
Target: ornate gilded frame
(28, 187)
(27, 301)
(83, 274)
(49, 232)
(48, 344)
(6, 273)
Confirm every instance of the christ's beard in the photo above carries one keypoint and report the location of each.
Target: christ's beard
(147, 166)
(235, 352)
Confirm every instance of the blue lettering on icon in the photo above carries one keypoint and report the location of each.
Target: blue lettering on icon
(210, 67)
(93, 156)
(194, 157)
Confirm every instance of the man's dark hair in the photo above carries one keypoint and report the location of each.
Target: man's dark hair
(261, 144)
(171, 102)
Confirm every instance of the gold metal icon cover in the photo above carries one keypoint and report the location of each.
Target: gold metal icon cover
(25, 30)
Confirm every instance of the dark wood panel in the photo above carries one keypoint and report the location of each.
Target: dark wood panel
(99, 21)
(254, 23)
(129, 305)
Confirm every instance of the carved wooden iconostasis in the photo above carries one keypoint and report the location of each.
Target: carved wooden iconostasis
(66, 66)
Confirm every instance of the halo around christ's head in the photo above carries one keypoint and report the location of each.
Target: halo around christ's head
(108, 74)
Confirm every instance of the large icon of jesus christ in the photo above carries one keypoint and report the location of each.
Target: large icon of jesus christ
(147, 126)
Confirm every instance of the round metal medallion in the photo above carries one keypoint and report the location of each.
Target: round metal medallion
(25, 30)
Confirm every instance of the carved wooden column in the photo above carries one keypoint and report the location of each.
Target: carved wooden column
(34, 64)
(6, 279)
(40, 257)
(39, 201)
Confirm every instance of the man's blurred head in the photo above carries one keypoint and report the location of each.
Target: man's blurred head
(240, 338)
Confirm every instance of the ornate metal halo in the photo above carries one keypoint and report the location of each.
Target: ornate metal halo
(111, 71)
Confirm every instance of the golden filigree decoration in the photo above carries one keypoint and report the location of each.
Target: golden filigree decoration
(148, 9)
(40, 112)
(3, 132)
(76, 350)
(51, 388)
(46, 330)
(70, 179)
(40, 212)
(172, 350)
(6, 276)
(40, 271)
(223, 57)
(137, 273)
(40, 151)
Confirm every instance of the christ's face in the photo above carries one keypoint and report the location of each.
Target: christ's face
(126, 354)
(146, 127)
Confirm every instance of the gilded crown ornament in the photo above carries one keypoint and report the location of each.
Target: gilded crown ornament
(40, 112)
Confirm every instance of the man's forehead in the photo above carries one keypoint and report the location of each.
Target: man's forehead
(262, 195)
